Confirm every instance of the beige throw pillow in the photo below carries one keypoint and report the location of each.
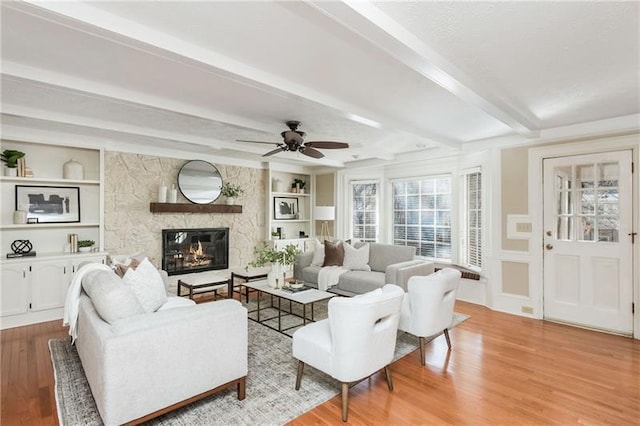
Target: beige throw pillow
(318, 254)
(111, 299)
(356, 259)
(146, 283)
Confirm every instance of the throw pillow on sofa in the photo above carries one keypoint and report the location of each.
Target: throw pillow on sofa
(111, 299)
(318, 253)
(356, 259)
(146, 283)
(333, 253)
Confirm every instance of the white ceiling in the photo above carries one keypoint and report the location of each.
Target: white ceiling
(392, 79)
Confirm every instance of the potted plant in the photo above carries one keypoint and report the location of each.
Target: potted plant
(85, 245)
(299, 184)
(11, 157)
(231, 191)
(280, 261)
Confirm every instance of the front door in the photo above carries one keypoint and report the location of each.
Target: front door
(587, 242)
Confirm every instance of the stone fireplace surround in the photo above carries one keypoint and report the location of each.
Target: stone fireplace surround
(131, 183)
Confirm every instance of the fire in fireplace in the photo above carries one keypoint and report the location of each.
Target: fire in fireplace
(195, 250)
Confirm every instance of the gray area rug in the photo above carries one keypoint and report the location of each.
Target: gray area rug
(271, 397)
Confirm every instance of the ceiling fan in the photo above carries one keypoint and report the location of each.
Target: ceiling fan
(293, 140)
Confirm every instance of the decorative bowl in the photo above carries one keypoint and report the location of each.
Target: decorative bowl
(296, 285)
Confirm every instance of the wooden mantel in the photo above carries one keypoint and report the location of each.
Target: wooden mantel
(193, 208)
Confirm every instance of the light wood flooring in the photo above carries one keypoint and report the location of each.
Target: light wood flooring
(503, 369)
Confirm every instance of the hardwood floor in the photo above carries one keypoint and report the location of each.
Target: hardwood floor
(503, 369)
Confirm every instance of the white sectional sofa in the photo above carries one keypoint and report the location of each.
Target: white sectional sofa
(144, 365)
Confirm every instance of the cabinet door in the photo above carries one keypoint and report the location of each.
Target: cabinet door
(49, 283)
(14, 295)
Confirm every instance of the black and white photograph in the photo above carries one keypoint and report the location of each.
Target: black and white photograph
(285, 208)
(49, 204)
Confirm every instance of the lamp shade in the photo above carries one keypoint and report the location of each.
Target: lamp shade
(324, 213)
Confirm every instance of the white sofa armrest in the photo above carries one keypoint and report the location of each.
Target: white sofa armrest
(302, 261)
(399, 273)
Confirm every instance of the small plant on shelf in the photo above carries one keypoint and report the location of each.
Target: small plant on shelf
(11, 157)
(299, 183)
(231, 190)
(85, 245)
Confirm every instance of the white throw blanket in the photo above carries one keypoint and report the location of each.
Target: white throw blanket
(328, 276)
(72, 303)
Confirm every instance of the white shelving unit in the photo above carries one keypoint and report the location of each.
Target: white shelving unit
(291, 228)
(33, 289)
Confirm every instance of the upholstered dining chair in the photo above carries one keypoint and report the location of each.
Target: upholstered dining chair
(427, 308)
(356, 340)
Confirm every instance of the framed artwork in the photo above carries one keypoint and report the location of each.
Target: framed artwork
(49, 204)
(285, 208)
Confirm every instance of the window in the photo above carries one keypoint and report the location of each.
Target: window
(364, 200)
(422, 215)
(471, 241)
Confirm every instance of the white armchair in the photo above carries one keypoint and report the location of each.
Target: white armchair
(358, 339)
(427, 308)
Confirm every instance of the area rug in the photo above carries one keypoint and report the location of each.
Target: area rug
(271, 397)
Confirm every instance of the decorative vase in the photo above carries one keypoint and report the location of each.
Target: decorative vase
(274, 276)
(73, 170)
(230, 201)
(11, 171)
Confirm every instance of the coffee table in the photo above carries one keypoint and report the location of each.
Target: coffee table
(305, 298)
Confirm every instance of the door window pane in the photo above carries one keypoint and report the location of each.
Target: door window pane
(596, 200)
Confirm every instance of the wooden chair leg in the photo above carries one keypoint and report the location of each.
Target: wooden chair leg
(299, 375)
(345, 401)
(446, 335)
(387, 372)
(422, 343)
(242, 388)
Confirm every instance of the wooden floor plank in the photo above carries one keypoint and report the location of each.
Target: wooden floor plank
(503, 369)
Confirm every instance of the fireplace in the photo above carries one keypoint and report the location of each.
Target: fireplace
(195, 250)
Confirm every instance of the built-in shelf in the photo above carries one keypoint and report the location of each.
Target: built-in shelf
(50, 225)
(35, 180)
(291, 221)
(193, 208)
(289, 194)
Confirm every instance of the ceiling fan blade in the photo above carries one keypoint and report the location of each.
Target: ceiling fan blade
(310, 152)
(327, 145)
(270, 143)
(275, 151)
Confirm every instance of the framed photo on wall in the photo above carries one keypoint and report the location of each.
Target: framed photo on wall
(49, 204)
(285, 208)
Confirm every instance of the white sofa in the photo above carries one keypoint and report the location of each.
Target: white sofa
(145, 365)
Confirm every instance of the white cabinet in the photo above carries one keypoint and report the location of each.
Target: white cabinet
(301, 243)
(49, 283)
(14, 290)
(35, 289)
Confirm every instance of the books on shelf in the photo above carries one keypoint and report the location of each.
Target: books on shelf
(13, 255)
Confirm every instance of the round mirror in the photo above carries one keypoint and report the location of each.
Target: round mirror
(199, 182)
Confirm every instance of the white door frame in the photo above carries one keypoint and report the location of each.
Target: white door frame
(536, 156)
